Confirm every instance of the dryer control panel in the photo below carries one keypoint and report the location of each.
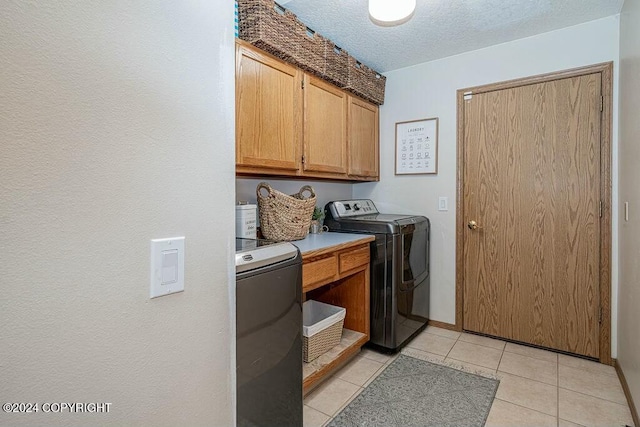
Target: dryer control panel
(349, 208)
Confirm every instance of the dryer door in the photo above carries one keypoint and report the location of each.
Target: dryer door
(415, 254)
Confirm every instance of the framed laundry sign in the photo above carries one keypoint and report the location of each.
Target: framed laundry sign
(417, 147)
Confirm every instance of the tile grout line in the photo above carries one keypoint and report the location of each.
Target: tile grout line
(454, 344)
(504, 348)
(351, 398)
(524, 407)
(536, 358)
(486, 346)
(367, 380)
(500, 361)
(558, 390)
(315, 409)
(429, 354)
(494, 396)
(590, 395)
(472, 364)
(592, 372)
(318, 410)
(334, 376)
(527, 378)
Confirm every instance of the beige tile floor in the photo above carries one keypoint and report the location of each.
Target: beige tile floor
(537, 387)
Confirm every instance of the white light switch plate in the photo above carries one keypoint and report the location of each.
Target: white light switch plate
(167, 266)
(626, 211)
(443, 203)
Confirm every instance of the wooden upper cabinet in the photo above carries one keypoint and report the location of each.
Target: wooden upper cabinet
(364, 157)
(268, 113)
(278, 123)
(325, 127)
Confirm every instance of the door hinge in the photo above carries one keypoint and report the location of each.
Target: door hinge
(303, 160)
(302, 84)
(600, 208)
(467, 96)
(602, 103)
(600, 316)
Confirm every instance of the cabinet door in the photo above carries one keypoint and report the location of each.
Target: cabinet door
(363, 139)
(268, 119)
(325, 127)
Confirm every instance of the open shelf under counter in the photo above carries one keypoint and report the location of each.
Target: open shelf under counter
(335, 270)
(314, 371)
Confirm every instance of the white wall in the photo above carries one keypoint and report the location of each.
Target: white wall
(629, 299)
(429, 90)
(325, 191)
(116, 127)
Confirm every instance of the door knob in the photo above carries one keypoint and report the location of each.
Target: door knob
(473, 225)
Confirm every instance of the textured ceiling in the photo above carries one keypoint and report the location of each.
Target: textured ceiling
(441, 28)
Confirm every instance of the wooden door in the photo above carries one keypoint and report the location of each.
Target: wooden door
(325, 127)
(532, 183)
(363, 139)
(268, 118)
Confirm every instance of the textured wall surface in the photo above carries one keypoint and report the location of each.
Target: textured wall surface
(429, 90)
(629, 317)
(116, 127)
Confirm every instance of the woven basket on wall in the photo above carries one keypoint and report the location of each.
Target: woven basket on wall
(284, 217)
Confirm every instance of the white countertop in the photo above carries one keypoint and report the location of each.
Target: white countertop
(314, 242)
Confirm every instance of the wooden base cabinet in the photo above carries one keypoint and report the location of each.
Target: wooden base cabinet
(338, 276)
(292, 124)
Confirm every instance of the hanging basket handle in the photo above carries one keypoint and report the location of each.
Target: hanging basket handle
(263, 186)
(306, 188)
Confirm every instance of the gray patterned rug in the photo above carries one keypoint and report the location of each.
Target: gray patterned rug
(413, 392)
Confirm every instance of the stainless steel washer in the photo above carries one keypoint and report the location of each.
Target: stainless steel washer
(268, 333)
(399, 268)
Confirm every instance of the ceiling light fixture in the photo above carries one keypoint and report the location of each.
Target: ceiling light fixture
(388, 13)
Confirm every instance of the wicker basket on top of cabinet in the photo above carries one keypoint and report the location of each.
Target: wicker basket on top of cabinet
(365, 82)
(274, 29)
